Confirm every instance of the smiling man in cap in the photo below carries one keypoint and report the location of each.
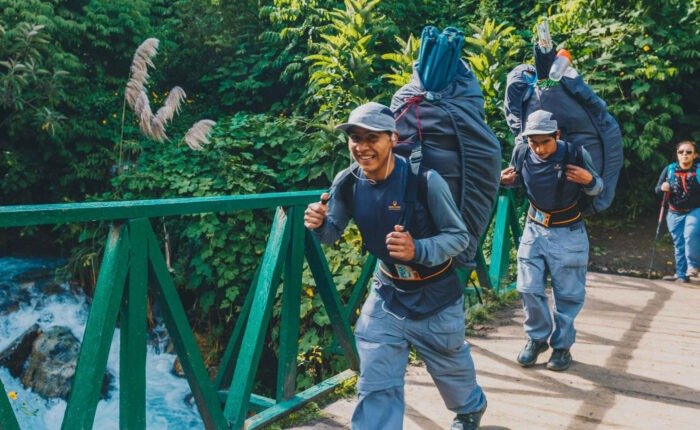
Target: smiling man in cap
(554, 242)
(416, 298)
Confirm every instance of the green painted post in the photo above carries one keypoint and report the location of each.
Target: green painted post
(181, 335)
(228, 360)
(360, 288)
(482, 269)
(132, 355)
(99, 330)
(501, 243)
(331, 300)
(8, 420)
(236, 407)
(291, 304)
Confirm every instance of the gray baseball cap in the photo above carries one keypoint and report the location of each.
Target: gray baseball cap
(371, 116)
(540, 122)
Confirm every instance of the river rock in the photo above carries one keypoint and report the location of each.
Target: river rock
(12, 297)
(15, 355)
(51, 365)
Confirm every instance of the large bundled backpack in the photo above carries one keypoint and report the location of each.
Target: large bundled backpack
(448, 130)
(582, 116)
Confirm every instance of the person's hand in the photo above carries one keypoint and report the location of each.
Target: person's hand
(508, 175)
(400, 244)
(578, 174)
(665, 187)
(315, 213)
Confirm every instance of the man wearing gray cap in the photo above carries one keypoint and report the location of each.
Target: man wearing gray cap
(410, 222)
(554, 241)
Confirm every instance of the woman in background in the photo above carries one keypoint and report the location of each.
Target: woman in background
(682, 180)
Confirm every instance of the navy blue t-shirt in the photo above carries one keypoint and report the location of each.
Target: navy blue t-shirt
(437, 229)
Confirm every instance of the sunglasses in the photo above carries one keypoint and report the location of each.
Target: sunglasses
(684, 152)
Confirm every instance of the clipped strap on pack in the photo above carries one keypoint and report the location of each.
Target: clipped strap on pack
(413, 101)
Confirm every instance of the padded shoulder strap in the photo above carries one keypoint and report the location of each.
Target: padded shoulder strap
(519, 153)
(671, 173)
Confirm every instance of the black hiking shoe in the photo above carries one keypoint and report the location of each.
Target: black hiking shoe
(560, 360)
(468, 421)
(533, 348)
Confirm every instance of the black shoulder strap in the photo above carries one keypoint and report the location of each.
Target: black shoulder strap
(519, 153)
(412, 186)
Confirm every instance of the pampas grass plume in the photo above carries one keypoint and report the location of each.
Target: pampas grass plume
(198, 134)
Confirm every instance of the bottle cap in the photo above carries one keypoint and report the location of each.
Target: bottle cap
(564, 53)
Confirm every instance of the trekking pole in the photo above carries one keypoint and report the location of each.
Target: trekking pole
(664, 201)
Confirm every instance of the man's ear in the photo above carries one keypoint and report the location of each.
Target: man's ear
(394, 139)
(558, 135)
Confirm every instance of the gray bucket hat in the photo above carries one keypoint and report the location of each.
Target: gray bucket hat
(371, 116)
(540, 122)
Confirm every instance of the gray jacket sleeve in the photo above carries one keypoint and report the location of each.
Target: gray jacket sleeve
(596, 186)
(452, 237)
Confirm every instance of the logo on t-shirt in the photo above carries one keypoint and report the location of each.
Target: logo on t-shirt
(394, 206)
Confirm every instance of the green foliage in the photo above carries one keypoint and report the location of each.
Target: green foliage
(295, 26)
(343, 65)
(403, 69)
(24, 82)
(216, 254)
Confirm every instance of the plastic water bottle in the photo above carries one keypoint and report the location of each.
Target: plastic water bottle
(544, 40)
(560, 64)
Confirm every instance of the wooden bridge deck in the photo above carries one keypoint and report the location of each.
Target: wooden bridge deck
(636, 366)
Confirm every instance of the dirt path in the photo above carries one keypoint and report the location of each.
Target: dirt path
(625, 248)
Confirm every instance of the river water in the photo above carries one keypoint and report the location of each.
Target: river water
(166, 407)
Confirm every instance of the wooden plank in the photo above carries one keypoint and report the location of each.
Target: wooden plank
(291, 304)
(236, 406)
(8, 421)
(99, 330)
(24, 215)
(326, 288)
(290, 405)
(181, 335)
(132, 355)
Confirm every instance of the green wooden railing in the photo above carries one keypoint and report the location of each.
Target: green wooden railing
(133, 265)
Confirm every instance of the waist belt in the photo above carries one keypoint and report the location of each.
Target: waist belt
(412, 277)
(558, 218)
